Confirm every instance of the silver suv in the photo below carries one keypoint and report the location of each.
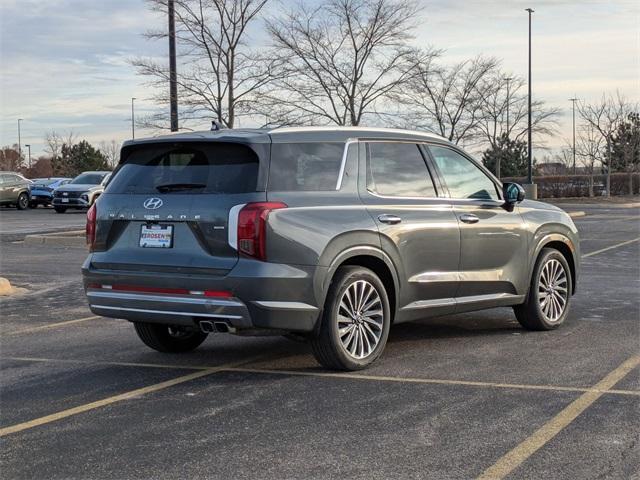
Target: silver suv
(327, 234)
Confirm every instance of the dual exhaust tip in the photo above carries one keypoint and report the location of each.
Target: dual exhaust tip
(208, 326)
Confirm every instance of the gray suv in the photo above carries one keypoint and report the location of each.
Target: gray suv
(326, 234)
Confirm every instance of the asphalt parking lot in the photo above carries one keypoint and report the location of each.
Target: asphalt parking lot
(458, 397)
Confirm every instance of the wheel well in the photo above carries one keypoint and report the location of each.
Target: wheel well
(377, 266)
(564, 249)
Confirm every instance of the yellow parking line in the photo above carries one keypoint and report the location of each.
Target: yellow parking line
(511, 460)
(431, 381)
(116, 398)
(115, 364)
(52, 325)
(622, 244)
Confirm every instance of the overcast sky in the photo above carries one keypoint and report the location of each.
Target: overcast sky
(64, 62)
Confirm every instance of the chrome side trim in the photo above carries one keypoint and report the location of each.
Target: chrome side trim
(431, 277)
(464, 276)
(233, 225)
(160, 298)
(285, 305)
(166, 312)
(344, 161)
(420, 304)
(489, 298)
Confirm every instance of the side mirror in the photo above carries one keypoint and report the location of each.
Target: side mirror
(512, 193)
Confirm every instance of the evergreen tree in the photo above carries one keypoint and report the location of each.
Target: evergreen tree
(625, 145)
(75, 159)
(512, 155)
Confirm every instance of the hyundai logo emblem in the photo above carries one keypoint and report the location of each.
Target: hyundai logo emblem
(152, 203)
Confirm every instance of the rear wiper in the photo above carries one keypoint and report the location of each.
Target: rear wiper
(173, 187)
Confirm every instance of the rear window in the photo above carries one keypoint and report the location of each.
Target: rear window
(305, 166)
(187, 168)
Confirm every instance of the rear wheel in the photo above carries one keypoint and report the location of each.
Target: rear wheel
(60, 209)
(23, 201)
(355, 322)
(169, 338)
(547, 304)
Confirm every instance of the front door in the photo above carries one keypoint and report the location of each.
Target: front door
(418, 229)
(493, 250)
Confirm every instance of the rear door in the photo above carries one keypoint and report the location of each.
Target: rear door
(418, 229)
(493, 240)
(168, 207)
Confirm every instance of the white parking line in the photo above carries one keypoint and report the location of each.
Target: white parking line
(52, 325)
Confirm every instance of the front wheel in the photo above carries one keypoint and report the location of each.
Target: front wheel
(60, 209)
(23, 201)
(547, 304)
(355, 321)
(169, 338)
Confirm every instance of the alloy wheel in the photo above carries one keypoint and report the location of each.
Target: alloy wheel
(360, 319)
(552, 290)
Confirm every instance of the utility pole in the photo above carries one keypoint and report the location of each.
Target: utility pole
(133, 120)
(508, 79)
(573, 101)
(29, 147)
(529, 136)
(173, 76)
(19, 142)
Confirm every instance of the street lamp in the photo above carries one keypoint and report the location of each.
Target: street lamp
(533, 192)
(19, 141)
(573, 101)
(133, 120)
(29, 147)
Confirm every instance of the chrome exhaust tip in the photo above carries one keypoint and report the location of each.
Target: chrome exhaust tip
(207, 327)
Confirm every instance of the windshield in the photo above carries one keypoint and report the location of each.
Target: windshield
(88, 179)
(191, 168)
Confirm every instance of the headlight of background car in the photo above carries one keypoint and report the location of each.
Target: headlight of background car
(85, 196)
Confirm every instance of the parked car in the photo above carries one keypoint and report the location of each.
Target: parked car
(14, 190)
(42, 190)
(328, 234)
(81, 192)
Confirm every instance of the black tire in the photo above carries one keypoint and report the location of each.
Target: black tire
(327, 346)
(60, 209)
(169, 339)
(23, 201)
(531, 314)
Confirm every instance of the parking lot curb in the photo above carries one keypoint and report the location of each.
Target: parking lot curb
(74, 238)
(577, 214)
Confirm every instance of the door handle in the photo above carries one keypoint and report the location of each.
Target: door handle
(469, 218)
(390, 219)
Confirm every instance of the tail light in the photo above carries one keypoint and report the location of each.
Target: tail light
(91, 227)
(252, 228)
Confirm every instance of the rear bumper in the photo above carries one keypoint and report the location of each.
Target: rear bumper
(271, 297)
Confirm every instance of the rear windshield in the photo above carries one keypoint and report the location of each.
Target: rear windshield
(89, 179)
(305, 166)
(187, 168)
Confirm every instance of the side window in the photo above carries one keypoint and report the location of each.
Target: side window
(398, 170)
(305, 166)
(463, 178)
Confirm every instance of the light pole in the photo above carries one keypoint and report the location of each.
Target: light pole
(133, 120)
(529, 148)
(19, 142)
(29, 147)
(573, 101)
(508, 79)
(173, 75)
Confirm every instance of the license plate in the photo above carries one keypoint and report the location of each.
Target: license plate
(156, 236)
(65, 200)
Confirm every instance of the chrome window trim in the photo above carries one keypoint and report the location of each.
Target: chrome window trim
(232, 225)
(344, 161)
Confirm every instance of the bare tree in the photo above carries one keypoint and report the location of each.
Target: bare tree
(605, 117)
(590, 150)
(219, 73)
(448, 100)
(111, 151)
(505, 108)
(54, 142)
(339, 59)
